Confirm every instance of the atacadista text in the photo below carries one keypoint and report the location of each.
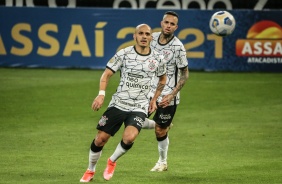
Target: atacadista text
(266, 60)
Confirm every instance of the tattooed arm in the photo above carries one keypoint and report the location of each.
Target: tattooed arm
(184, 74)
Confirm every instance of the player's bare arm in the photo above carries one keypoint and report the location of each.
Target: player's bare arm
(184, 74)
(160, 87)
(104, 80)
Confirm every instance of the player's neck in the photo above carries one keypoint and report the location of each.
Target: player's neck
(142, 50)
(165, 38)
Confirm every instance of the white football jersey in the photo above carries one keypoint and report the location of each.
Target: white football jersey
(137, 73)
(175, 57)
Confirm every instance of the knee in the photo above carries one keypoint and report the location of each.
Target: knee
(160, 132)
(129, 135)
(101, 139)
(128, 139)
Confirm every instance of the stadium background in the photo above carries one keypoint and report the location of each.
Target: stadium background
(85, 34)
(227, 129)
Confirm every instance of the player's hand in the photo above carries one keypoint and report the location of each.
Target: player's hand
(98, 102)
(153, 106)
(166, 100)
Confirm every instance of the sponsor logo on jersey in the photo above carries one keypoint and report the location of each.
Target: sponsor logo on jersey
(132, 81)
(135, 75)
(180, 61)
(129, 104)
(103, 121)
(162, 69)
(134, 85)
(112, 60)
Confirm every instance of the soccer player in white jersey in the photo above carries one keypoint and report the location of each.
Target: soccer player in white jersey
(174, 53)
(130, 104)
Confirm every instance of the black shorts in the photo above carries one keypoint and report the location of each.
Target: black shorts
(113, 118)
(164, 116)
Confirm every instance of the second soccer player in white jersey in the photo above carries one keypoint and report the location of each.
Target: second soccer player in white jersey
(174, 53)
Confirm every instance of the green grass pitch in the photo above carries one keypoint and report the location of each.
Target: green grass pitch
(227, 130)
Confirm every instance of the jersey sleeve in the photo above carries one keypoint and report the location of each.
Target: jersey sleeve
(115, 62)
(162, 66)
(182, 59)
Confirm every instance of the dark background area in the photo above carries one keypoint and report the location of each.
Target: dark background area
(236, 4)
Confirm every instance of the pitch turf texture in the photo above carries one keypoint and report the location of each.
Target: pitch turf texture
(228, 129)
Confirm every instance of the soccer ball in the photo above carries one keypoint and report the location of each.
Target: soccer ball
(222, 23)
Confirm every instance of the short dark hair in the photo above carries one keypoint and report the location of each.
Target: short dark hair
(171, 13)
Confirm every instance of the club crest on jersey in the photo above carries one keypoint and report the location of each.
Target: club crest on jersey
(152, 64)
(167, 55)
(103, 121)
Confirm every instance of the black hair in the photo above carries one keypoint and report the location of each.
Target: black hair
(171, 13)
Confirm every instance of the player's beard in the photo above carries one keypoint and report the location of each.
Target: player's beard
(167, 35)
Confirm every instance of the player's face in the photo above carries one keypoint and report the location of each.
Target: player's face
(169, 24)
(143, 36)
